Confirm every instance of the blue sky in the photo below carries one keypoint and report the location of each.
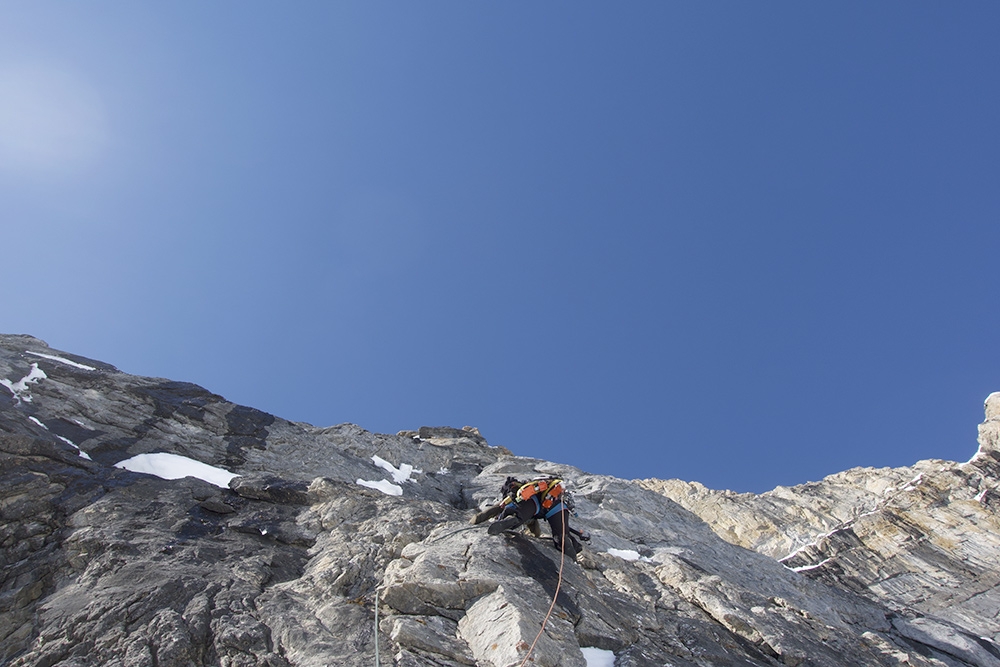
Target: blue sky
(740, 243)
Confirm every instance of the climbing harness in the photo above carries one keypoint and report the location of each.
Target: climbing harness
(546, 490)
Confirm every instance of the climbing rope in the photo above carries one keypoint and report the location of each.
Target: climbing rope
(378, 658)
(562, 560)
(548, 615)
(455, 532)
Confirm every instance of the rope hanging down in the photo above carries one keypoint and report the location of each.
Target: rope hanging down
(562, 560)
(378, 659)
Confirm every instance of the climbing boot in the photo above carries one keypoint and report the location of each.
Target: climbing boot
(572, 547)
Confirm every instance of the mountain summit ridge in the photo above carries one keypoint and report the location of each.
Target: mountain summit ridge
(285, 566)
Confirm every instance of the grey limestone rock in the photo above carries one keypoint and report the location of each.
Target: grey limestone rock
(323, 527)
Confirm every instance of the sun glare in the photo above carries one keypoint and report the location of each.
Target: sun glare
(51, 120)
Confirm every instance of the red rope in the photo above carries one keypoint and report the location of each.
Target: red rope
(562, 559)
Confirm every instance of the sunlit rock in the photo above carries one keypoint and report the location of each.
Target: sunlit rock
(290, 561)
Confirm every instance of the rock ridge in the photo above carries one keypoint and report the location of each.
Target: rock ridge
(287, 562)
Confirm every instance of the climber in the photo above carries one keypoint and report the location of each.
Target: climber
(526, 503)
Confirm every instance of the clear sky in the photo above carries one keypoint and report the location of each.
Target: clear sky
(747, 244)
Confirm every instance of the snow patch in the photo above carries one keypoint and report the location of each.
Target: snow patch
(444, 471)
(20, 388)
(69, 442)
(629, 554)
(982, 496)
(174, 466)
(909, 486)
(61, 360)
(400, 474)
(597, 657)
(383, 485)
(83, 454)
(815, 543)
(806, 568)
(889, 494)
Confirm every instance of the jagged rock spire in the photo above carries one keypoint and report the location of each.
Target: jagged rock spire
(989, 430)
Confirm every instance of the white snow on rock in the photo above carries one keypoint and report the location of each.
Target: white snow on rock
(629, 554)
(597, 657)
(383, 485)
(53, 357)
(912, 484)
(20, 388)
(69, 442)
(400, 474)
(806, 568)
(66, 440)
(174, 466)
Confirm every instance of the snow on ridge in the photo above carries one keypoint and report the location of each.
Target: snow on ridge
(890, 494)
(815, 543)
(383, 485)
(596, 657)
(83, 454)
(806, 568)
(72, 444)
(20, 388)
(174, 466)
(912, 484)
(629, 554)
(400, 474)
(53, 357)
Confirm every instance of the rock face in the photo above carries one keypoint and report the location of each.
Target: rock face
(331, 542)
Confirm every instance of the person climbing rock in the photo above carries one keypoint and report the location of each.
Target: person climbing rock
(526, 503)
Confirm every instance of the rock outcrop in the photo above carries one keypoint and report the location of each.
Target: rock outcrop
(330, 544)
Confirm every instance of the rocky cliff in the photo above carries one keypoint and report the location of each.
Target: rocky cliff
(335, 546)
